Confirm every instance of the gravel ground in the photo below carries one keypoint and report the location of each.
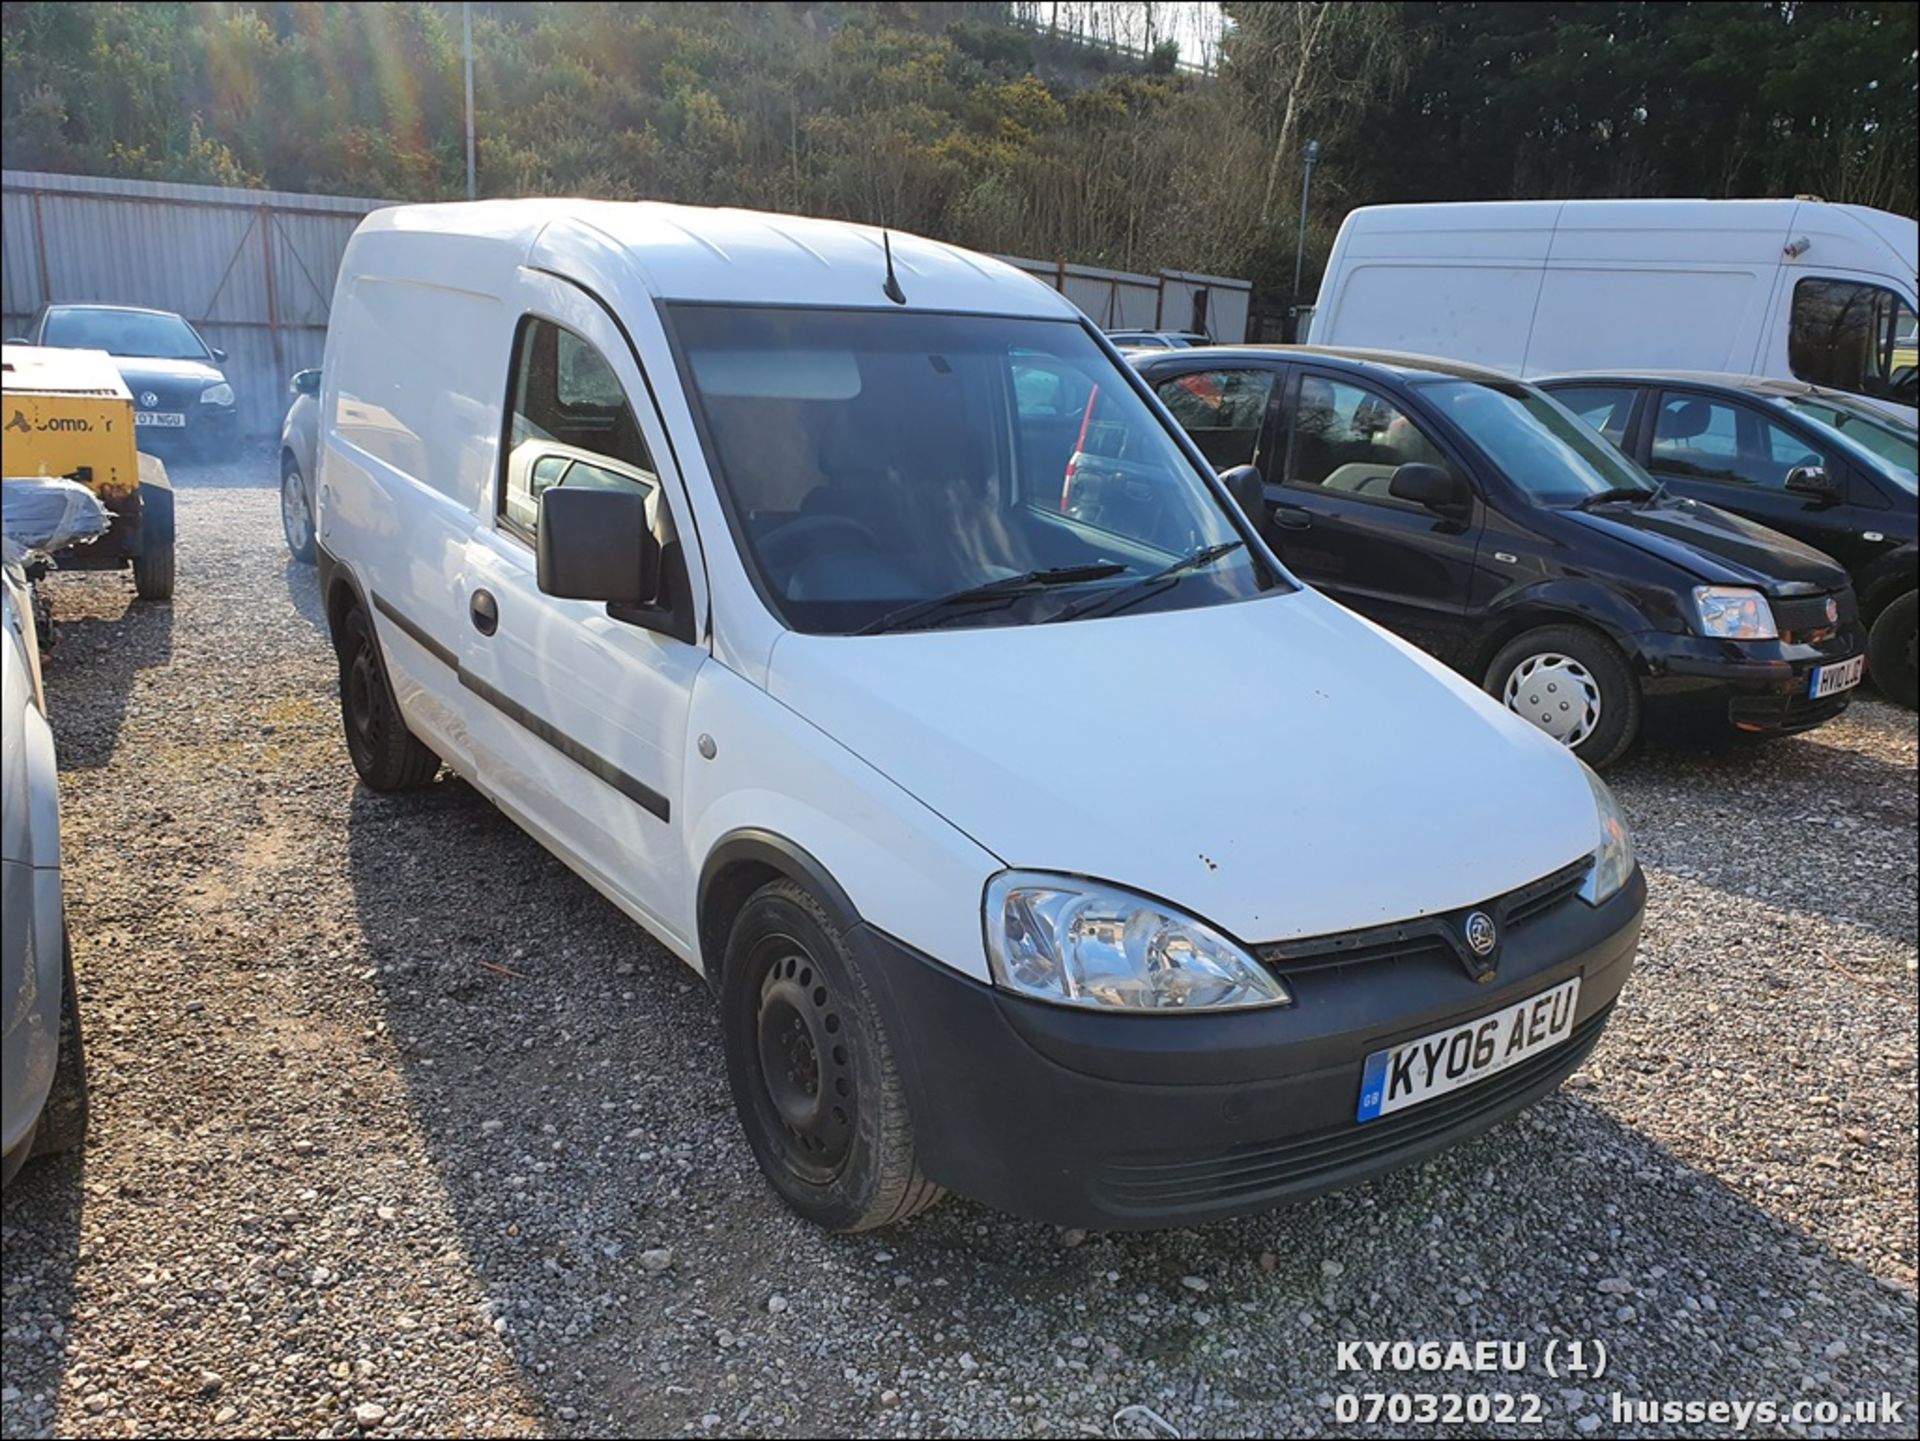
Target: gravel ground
(367, 1157)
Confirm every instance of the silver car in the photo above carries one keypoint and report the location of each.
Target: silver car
(43, 1101)
(299, 456)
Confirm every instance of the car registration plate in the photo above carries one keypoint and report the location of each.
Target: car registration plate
(1832, 679)
(1418, 1070)
(167, 419)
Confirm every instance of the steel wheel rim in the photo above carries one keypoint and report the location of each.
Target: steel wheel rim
(806, 1069)
(1556, 694)
(293, 510)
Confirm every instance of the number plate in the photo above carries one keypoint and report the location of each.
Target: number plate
(1832, 679)
(168, 419)
(1416, 1071)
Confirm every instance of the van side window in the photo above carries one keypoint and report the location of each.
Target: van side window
(1731, 444)
(1606, 408)
(1348, 439)
(1854, 337)
(1223, 410)
(570, 423)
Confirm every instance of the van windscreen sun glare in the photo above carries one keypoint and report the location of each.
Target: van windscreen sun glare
(910, 471)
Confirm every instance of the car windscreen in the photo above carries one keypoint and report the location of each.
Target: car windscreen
(872, 462)
(1541, 447)
(1876, 438)
(139, 333)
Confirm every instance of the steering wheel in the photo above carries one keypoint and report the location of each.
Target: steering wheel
(785, 547)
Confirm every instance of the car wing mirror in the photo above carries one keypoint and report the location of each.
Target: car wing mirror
(1815, 482)
(598, 545)
(1432, 486)
(304, 382)
(1249, 491)
(218, 354)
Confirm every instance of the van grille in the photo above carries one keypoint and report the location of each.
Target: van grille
(1430, 938)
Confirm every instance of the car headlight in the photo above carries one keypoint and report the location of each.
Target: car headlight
(1613, 857)
(1733, 612)
(1081, 943)
(221, 394)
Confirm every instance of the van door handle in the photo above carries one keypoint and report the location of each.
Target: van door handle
(484, 611)
(1288, 517)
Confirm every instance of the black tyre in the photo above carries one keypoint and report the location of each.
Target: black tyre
(388, 756)
(296, 513)
(1574, 684)
(63, 1120)
(812, 1068)
(1892, 657)
(153, 567)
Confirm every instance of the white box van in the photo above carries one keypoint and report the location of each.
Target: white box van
(1795, 289)
(1084, 863)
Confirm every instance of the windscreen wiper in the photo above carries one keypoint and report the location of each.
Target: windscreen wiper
(1153, 584)
(1030, 582)
(1614, 493)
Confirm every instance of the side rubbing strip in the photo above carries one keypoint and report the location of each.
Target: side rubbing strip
(418, 636)
(637, 791)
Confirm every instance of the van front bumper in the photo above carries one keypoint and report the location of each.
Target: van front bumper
(1760, 686)
(1111, 1122)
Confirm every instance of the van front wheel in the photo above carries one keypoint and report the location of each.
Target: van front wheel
(812, 1068)
(1575, 685)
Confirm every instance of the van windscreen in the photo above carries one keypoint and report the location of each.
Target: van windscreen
(878, 464)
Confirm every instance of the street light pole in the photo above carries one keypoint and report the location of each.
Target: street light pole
(466, 25)
(1312, 157)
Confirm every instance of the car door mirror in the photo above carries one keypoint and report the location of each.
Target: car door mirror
(304, 382)
(1432, 486)
(1249, 491)
(219, 355)
(597, 545)
(1815, 482)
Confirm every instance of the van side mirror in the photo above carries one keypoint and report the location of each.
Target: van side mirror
(304, 382)
(1814, 482)
(1249, 491)
(1432, 486)
(597, 545)
(219, 355)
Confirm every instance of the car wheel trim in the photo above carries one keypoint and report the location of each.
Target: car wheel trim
(1557, 694)
(293, 511)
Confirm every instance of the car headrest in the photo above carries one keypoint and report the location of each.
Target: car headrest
(1686, 420)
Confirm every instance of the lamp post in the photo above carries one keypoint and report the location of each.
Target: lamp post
(1311, 157)
(466, 26)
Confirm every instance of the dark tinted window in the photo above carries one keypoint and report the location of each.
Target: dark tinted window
(1606, 408)
(122, 332)
(1708, 439)
(569, 415)
(1854, 337)
(1223, 410)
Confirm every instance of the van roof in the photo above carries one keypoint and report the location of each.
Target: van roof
(715, 254)
(1398, 362)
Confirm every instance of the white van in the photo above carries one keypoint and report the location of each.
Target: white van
(1086, 864)
(1794, 289)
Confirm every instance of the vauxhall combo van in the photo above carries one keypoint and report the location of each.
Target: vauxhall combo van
(1086, 864)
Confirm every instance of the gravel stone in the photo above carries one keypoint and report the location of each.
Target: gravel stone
(416, 989)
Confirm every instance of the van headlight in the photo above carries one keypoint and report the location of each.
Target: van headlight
(1734, 612)
(1080, 943)
(220, 394)
(1613, 859)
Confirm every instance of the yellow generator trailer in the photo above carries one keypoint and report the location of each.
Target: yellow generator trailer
(68, 413)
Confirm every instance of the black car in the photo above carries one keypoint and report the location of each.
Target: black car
(1481, 520)
(1827, 468)
(181, 398)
